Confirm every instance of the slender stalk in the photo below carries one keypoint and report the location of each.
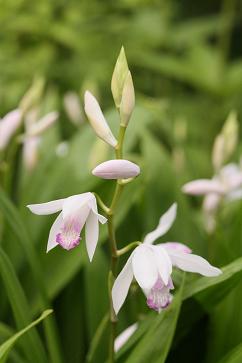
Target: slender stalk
(113, 245)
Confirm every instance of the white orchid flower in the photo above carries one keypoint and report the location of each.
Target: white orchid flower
(8, 126)
(151, 266)
(76, 211)
(225, 185)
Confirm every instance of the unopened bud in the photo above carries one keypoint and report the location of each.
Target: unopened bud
(32, 96)
(97, 120)
(73, 108)
(230, 132)
(128, 100)
(119, 76)
(116, 169)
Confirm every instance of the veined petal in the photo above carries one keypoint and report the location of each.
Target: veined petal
(203, 186)
(75, 203)
(193, 263)
(97, 120)
(55, 229)
(121, 285)
(164, 225)
(176, 246)
(163, 263)
(47, 208)
(144, 266)
(92, 229)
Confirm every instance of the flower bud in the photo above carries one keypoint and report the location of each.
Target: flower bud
(119, 76)
(97, 120)
(32, 96)
(73, 108)
(116, 169)
(128, 100)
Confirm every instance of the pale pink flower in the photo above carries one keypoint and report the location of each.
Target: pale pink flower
(8, 126)
(116, 169)
(151, 266)
(76, 211)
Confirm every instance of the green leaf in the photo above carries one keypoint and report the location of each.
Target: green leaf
(32, 344)
(14, 220)
(234, 356)
(157, 340)
(213, 289)
(8, 344)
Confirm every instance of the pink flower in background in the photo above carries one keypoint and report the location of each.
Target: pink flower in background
(8, 126)
(34, 129)
(151, 266)
(116, 169)
(76, 211)
(226, 186)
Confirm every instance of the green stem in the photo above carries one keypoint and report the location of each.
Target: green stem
(127, 248)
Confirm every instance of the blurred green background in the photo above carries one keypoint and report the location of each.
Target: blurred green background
(186, 61)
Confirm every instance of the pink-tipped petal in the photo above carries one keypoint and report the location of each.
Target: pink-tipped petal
(121, 285)
(164, 225)
(116, 169)
(203, 186)
(176, 246)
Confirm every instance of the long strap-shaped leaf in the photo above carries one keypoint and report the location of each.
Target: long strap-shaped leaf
(12, 216)
(32, 344)
(6, 347)
(234, 356)
(156, 342)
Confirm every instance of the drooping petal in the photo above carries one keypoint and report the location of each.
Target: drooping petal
(193, 263)
(92, 231)
(164, 225)
(121, 285)
(124, 336)
(177, 246)
(55, 229)
(116, 169)
(144, 266)
(75, 203)
(47, 208)
(97, 120)
(203, 186)
(163, 263)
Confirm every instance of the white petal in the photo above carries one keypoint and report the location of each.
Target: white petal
(177, 246)
(46, 208)
(55, 229)
(91, 232)
(121, 285)
(124, 336)
(8, 126)
(97, 120)
(93, 206)
(234, 195)
(193, 263)
(75, 202)
(211, 202)
(164, 225)
(163, 263)
(145, 266)
(203, 186)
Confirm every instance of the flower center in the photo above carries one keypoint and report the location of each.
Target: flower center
(69, 237)
(159, 296)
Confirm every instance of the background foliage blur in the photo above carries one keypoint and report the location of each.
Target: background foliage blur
(186, 62)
